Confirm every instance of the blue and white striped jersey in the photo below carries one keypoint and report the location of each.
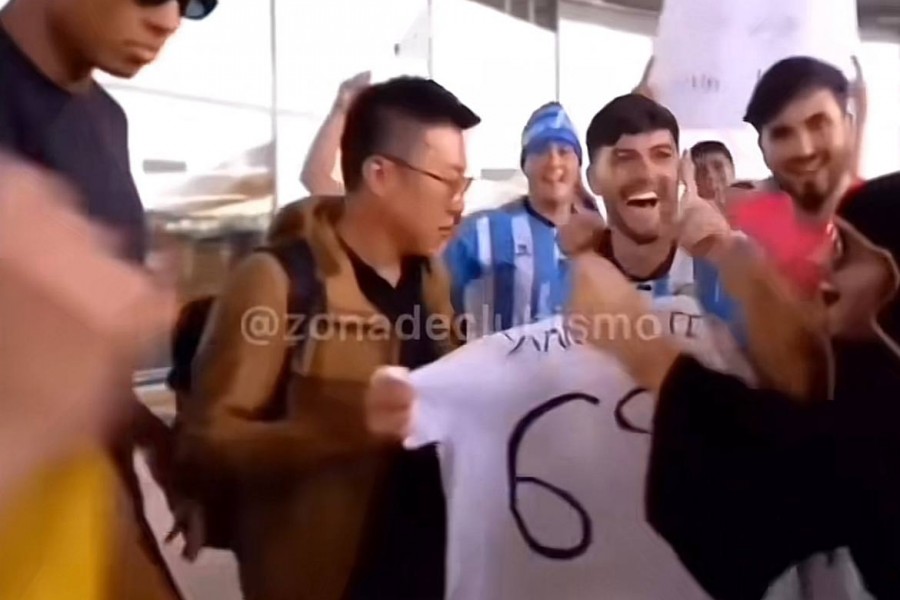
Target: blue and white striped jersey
(507, 269)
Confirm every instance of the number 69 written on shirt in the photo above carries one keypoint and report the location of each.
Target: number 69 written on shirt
(516, 481)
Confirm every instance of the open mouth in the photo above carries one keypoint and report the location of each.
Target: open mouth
(644, 200)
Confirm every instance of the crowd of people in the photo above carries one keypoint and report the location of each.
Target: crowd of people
(288, 448)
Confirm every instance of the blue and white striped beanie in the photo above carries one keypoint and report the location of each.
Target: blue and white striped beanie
(549, 125)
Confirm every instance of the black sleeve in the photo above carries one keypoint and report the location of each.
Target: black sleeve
(741, 481)
(9, 141)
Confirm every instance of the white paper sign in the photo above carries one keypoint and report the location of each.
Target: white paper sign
(544, 446)
(709, 53)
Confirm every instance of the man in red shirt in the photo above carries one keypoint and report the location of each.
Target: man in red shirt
(810, 141)
(806, 133)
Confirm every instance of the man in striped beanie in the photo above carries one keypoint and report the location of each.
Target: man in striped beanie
(506, 264)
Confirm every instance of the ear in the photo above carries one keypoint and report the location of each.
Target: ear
(375, 174)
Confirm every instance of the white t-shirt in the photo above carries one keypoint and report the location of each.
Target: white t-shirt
(544, 446)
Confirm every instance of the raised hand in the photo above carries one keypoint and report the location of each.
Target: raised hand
(581, 232)
(644, 88)
(858, 89)
(350, 89)
(701, 223)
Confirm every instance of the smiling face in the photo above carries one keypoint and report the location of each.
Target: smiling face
(809, 146)
(638, 180)
(552, 173)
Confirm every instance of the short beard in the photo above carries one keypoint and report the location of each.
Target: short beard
(807, 198)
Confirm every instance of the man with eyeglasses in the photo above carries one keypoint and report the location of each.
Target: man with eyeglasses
(53, 113)
(326, 510)
(506, 263)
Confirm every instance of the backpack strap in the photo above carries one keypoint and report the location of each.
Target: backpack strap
(305, 300)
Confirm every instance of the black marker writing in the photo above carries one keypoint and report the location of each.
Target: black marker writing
(516, 480)
(621, 419)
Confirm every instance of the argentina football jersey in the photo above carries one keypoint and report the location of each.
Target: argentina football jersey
(507, 270)
(674, 277)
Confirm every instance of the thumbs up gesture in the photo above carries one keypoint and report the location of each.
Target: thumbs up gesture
(701, 224)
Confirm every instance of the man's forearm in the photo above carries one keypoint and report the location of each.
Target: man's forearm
(258, 449)
(649, 361)
(322, 157)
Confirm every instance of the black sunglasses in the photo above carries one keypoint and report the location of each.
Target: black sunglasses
(190, 9)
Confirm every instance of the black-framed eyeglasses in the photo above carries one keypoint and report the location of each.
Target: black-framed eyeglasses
(190, 9)
(457, 185)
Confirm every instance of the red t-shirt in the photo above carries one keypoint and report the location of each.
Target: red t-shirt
(800, 250)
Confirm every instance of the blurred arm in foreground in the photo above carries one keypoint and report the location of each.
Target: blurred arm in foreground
(708, 423)
(75, 321)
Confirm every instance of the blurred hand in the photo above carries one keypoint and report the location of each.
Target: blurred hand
(581, 233)
(350, 89)
(190, 525)
(389, 403)
(859, 91)
(644, 88)
(75, 320)
(787, 343)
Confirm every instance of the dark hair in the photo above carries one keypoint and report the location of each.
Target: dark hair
(372, 115)
(708, 147)
(789, 79)
(628, 115)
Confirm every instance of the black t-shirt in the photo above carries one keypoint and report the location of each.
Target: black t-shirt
(83, 137)
(402, 557)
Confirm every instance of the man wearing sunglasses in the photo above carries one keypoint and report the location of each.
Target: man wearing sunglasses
(53, 113)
